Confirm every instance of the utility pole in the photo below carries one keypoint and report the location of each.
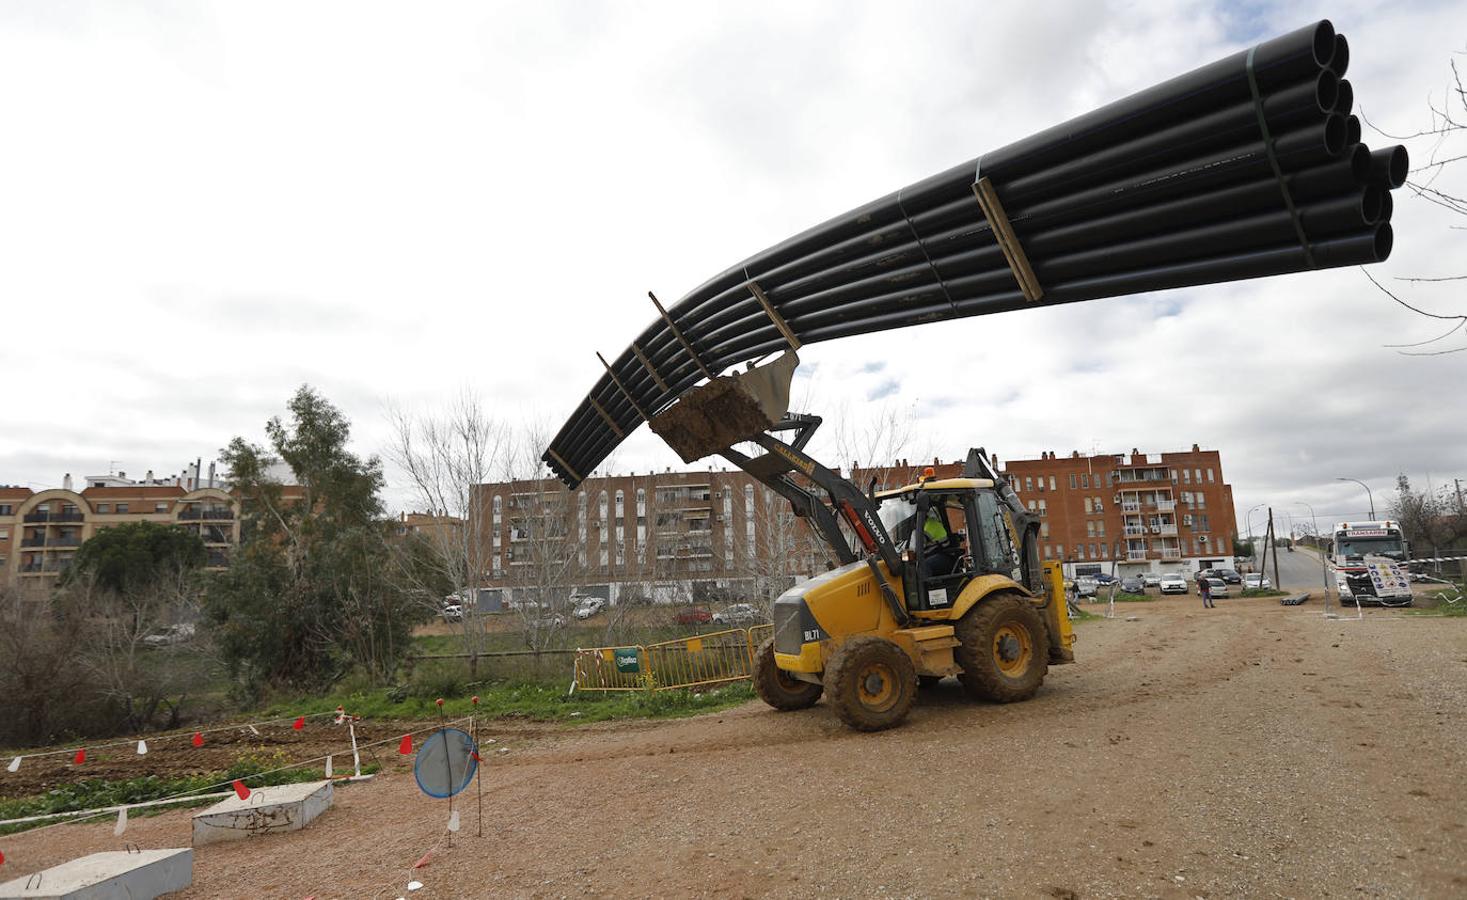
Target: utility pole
(1274, 539)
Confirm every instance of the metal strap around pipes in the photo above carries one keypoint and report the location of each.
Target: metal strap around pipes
(1273, 159)
(923, 247)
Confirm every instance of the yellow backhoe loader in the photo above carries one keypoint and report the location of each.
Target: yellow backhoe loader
(936, 578)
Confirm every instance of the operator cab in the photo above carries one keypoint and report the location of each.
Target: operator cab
(935, 522)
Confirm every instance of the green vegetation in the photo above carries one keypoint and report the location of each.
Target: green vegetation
(134, 555)
(94, 793)
(1124, 597)
(1080, 615)
(313, 592)
(521, 700)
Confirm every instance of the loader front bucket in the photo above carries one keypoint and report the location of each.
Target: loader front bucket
(727, 410)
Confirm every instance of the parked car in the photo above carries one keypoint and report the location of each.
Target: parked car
(694, 615)
(738, 614)
(1257, 580)
(1087, 586)
(1133, 585)
(1218, 586)
(1105, 579)
(1151, 579)
(1172, 583)
(172, 634)
(1231, 576)
(590, 607)
(452, 612)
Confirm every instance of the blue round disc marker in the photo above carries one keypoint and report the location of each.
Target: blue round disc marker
(445, 763)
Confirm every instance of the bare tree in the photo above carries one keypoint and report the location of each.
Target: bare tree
(1444, 142)
(545, 564)
(445, 457)
(139, 644)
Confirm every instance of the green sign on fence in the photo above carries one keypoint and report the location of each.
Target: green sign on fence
(626, 659)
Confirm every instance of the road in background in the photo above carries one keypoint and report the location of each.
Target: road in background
(1298, 571)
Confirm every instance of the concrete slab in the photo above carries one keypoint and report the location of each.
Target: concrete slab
(111, 875)
(288, 807)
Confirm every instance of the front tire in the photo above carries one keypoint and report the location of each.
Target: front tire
(1004, 649)
(872, 683)
(779, 689)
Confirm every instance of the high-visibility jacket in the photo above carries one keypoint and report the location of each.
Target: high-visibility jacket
(933, 527)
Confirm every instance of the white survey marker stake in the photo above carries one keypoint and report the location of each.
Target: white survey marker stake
(142, 748)
(14, 765)
(453, 821)
(121, 825)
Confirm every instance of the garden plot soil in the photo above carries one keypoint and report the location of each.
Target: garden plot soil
(1251, 750)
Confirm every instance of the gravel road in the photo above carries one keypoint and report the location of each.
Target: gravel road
(1252, 750)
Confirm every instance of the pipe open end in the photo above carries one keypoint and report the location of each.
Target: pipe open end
(1340, 62)
(1324, 42)
(1400, 164)
(1344, 97)
(1326, 90)
(1384, 239)
(1371, 204)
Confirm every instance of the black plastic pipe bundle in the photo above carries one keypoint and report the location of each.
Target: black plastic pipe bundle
(1248, 167)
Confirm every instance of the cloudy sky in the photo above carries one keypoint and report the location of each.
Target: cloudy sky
(203, 206)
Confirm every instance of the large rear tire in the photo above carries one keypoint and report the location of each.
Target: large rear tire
(779, 689)
(1004, 649)
(871, 682)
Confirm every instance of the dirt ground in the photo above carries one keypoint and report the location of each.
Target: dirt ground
(1251, 750)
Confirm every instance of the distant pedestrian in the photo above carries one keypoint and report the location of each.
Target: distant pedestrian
(1204, 590)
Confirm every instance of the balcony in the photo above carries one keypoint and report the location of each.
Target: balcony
(1130, 506)
(1166, 506)
(65, 542)
(1135, 530)
(34, 542)
(1136, 554)
(45, 516)
(1166, 530)
(209, 514)
(1171, 553)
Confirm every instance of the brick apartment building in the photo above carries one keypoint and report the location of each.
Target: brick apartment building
(1127, 513)
(668, 537)
(40, 531)
(680, 536)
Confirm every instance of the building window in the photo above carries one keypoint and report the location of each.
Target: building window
(1044, 529)
(1051, 483)
(1059, 551)
(1085, 481)
(1043, 508)
(4, 534)
(1033, 507)
(1205, 526)
(1093, 554)
(6, 509)
(121, 508)
(749, 521)
(1209, 476)
(1028, 483)
(104, 508)
(1046, 552)
(1100, 528)
(1186, 477)
(1197, 473)
(1074, 481)
(160, 507)
(1090, 529)
(1099, 506)
(1089, 508)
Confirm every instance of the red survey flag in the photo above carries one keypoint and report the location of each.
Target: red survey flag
(300, 723)
(81, 756)
(198, 739)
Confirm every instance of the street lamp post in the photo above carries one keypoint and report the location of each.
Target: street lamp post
(1252, 550)
(1368, 494)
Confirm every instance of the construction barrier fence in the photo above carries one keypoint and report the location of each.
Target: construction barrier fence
(718, 657)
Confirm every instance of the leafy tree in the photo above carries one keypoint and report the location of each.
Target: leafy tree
(310, 593)
(133, 555)
(1243, 547)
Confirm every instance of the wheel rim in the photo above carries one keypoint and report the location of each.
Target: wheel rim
(1013, 649)
(876, 687)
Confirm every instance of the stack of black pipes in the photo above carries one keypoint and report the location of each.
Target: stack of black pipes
(1174, 186)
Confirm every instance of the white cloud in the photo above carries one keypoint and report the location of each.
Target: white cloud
(208, 205)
